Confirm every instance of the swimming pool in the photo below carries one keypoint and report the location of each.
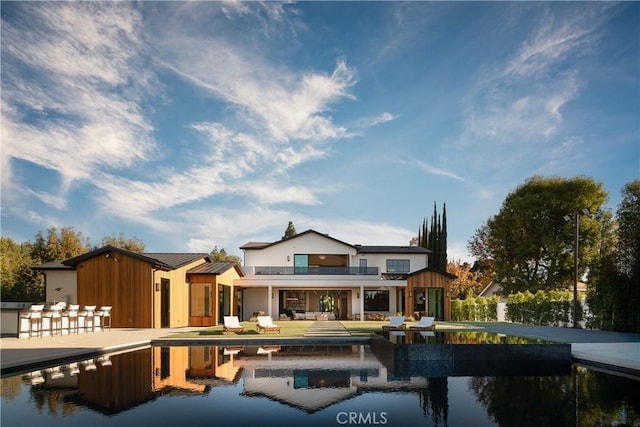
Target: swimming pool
(308, 385)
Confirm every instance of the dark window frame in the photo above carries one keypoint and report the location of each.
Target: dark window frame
(376, 300)
(398, 265)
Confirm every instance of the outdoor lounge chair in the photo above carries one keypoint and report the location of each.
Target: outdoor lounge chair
(265, 323)
(232, 324)
(396, 324)
(266, 349)
(232, 350)
(425, 324)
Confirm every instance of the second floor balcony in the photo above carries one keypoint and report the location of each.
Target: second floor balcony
(312, 270)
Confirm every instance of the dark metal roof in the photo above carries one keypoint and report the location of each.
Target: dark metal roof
(260, 245)
(52, 265)
(392, 249)
(176, 260)
(161, 261)
(444, 273)
(255, 245)
(359, 248)
(394, 276)
(218, 267)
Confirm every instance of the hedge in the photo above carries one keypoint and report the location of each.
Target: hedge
(479, 309)
(551, 308)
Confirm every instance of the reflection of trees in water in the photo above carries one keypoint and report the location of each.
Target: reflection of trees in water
(435, 401)
(596, 399)
(607, 399)
(54, 401)
(10, 387)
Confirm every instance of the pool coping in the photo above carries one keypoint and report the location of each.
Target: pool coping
(19, 355)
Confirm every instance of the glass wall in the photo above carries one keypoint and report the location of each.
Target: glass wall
(376, 300)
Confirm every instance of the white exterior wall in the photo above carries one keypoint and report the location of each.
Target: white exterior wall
(254, 300)
(67, 281)
(258, 289)
(416, 261)
(281, 254)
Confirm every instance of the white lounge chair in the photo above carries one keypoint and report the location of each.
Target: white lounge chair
(232, 324)
(424, 324)
(228, 351)
(396, 324)
(267, 349)
(265, 323)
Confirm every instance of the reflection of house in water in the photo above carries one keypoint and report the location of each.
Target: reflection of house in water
(308, 378)
(313, 378)
(114, 383)
(212, 366)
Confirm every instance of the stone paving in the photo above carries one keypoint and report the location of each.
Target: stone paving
(327, 328)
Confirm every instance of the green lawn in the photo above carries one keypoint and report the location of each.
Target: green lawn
(297, 328)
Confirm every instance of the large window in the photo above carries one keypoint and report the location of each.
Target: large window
(201, 304)
(376, 300)
(397, 266)
(327, 303)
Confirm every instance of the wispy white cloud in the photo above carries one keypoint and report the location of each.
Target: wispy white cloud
(518, 107)
(88, 123)
(271, 99)
(435, 170)
(231, 228)
(556, 38)
(135, 198)
(269, 193)
(383, 118)
(73, 85)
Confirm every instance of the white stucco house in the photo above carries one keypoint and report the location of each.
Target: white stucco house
(313, 275)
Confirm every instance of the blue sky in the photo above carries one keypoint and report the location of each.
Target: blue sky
(202, 124)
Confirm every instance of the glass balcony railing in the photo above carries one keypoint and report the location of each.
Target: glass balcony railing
(320, 271)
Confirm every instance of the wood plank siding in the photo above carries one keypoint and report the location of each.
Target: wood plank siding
(429, 279)
(129, 379)
(120, 281)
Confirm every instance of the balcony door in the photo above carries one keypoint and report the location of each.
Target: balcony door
(301, 263)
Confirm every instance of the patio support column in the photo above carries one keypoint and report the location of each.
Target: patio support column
(270, 297)
(362, 302)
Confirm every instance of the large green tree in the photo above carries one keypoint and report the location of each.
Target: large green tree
(615, 297)
(290, 231)
(221, 255)
(121, 241)
(529, 242)
(17, 280)
(62, 244)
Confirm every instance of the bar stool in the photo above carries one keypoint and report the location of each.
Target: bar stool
(72, 368)
(54, 314)
(88, 314)
(35, 377)
(105, 315)
(34, 319)
(72, 318)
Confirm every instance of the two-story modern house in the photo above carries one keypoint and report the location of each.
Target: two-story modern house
(312, 275)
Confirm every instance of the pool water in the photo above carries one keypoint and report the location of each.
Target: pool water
(311, 385)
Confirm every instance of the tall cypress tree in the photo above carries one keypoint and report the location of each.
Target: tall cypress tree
(434, 238)
(443, 240)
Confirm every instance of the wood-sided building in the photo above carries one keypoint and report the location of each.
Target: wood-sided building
(428, 293)
(148, 290)
(212, 292)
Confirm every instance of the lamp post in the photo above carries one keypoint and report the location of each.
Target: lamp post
(576, 233)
